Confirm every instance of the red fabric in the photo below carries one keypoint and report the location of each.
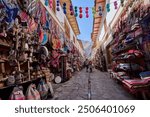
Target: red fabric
(24, 16)
(32, 25)
(43, 15)
(41, 36)
(137, 81)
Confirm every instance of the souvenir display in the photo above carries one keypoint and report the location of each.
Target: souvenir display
(31, 45)
(128, 52)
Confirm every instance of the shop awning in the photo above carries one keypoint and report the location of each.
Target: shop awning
(71, 18)
(97, 19)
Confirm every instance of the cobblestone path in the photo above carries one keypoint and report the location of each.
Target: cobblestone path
(101, 88)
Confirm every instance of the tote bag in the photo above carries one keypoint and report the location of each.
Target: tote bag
(17, 94)
(43, 89)
(32, 93)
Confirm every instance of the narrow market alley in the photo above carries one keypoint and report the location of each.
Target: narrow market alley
(102, 88)
(45, 44)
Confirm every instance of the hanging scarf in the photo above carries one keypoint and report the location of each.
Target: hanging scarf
(43, 16)
(32, 25)
(11, 12)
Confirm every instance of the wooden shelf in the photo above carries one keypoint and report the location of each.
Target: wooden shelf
(126, 48)
(28, 81)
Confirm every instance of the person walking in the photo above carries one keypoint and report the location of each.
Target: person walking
(90, 66)
(86, 65)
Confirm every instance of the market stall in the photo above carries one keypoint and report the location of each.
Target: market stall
(130, 48)
(33, 50)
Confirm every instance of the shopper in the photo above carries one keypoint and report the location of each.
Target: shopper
(86, 64)
(90, 66)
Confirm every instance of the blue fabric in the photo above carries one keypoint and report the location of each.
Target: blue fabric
(45, 39)
(11, 13)
(145, 74)
(47, 24)
(65, 48)
(46, 2)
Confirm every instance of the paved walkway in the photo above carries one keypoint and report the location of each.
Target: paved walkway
(102, 88)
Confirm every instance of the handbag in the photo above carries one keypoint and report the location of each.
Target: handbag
(43, 89)
(50, 89)
(32, 93)
(10, 81)
(17, 94)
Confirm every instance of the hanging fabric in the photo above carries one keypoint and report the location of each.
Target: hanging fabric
(24, 17)
(46, 2)
(32, 25)
(41, 35)
(51, 4)
(43, 16)
(45, 38)
(11, 11)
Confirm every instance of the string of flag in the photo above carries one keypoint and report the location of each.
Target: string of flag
(78, 11)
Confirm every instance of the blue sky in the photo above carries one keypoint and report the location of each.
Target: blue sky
(85, 24)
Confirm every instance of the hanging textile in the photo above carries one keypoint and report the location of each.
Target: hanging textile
(43, 15)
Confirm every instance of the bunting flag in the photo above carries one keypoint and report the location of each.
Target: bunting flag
(64, 8)
(58, 3)
(122, 2)
(87, 12)
(93, 11)
(78, 11)
(51, 4)
(108, 7)
(71, 10)
(100, 12)
(116, 5)
(46, 2)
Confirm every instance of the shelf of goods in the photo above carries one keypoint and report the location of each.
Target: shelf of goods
(131, 52)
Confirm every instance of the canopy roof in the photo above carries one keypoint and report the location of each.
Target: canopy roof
(71, 18)
(97, 19)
